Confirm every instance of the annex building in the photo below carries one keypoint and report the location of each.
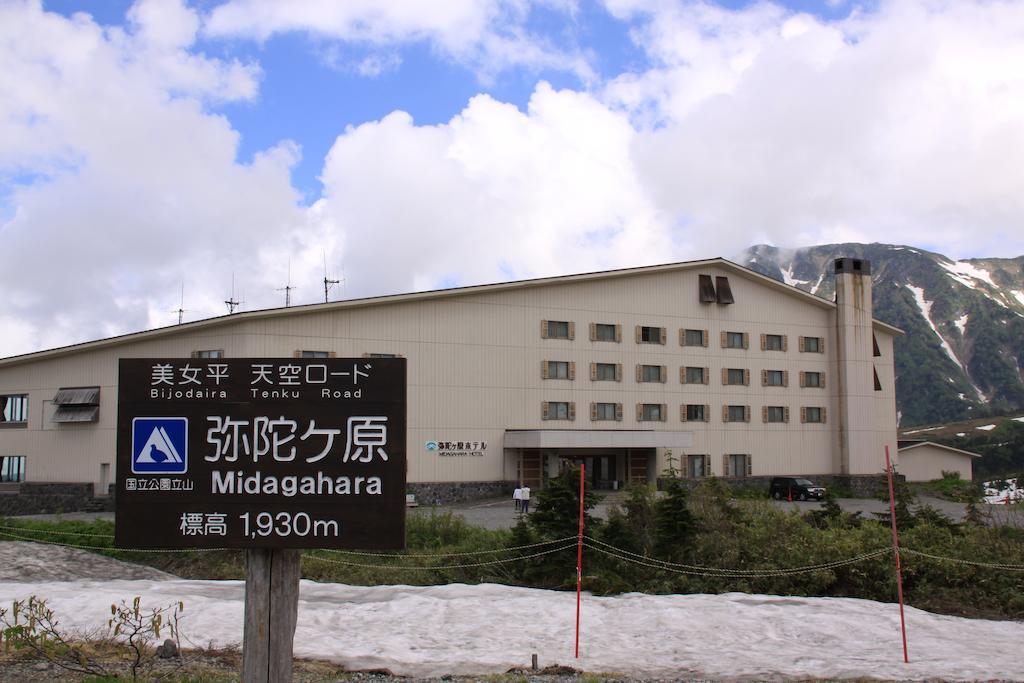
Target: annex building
(706, 364)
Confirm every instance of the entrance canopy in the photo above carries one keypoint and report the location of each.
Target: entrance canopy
(596, 438)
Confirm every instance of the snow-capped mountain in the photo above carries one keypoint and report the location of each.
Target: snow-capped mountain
(964, 322)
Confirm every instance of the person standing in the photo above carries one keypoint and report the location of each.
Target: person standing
(524, 495)
(517, 498)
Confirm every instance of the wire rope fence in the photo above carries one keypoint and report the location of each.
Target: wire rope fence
(543, 548)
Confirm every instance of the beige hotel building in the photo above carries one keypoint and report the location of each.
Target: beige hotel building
(722, 370)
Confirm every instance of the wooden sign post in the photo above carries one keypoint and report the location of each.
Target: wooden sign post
(271, 612)
(269, 455)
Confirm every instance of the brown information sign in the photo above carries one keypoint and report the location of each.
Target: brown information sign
(261, 453)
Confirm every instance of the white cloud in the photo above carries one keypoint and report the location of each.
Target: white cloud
(899, 125)
(487, 36)
(123, 185)
(494, 194)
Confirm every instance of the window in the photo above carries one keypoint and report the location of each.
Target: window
(814, 380)
(773, 342)
(81, 404)
(14, 410)
(650, 373)
(735, 413)
(875, 351)
(650, 412)
(774, 378)
(369, 355)
(558, 369)
(697, 466)
(812, 414)
(605, 372)
(557, 329)
(318, 354)
(735, 376)
(737, 465)
(606, 411)
(878, 382)
(558, 410)
(605, 332)
(812, 344)
(692, 375)
(734, 340)
(694, 338)
(694, 412)
(650, 335)
(12, 468)
(209, 353)
(775, 414)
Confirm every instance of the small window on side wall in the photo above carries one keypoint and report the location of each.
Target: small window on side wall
(12, 468)
(208, 353)
(14, 410)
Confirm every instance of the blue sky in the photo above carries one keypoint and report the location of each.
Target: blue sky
(415, 144)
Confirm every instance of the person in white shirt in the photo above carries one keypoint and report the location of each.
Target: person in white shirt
(524, 494)
(517, 498)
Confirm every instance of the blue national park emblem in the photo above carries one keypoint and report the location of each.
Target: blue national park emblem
(160, 445)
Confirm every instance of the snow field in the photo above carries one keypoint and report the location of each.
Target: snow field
(460, 629)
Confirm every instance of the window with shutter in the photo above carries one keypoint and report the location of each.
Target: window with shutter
(605, 332)
(689, 337)
(649, 373)
(558, 329)
(650, 335)
(604, 372)
(618, 412)
(734, 376)
(772, 342)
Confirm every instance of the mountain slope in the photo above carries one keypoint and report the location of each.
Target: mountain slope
(964, 322)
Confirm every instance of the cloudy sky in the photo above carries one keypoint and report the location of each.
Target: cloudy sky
(416, 144)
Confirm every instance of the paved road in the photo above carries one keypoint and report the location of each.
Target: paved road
(500, 513)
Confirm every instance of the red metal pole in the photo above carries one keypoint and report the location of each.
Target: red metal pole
(579, 564)
(896, 548)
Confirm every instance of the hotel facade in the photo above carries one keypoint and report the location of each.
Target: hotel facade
(706, 365)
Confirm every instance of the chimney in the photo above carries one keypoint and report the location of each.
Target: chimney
(858, 427)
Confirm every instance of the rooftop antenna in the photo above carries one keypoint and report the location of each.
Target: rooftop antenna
(232, 303)
(287, 289)
(181, 307)
(328, 283)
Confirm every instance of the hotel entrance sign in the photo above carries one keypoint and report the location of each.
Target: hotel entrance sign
(261, 453)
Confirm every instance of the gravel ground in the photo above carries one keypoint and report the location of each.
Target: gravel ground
(36, 562)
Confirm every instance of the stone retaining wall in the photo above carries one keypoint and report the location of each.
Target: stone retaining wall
(857, 485)
(446, 493)
(39, 498)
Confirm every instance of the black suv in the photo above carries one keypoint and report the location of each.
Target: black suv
(784, 488)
